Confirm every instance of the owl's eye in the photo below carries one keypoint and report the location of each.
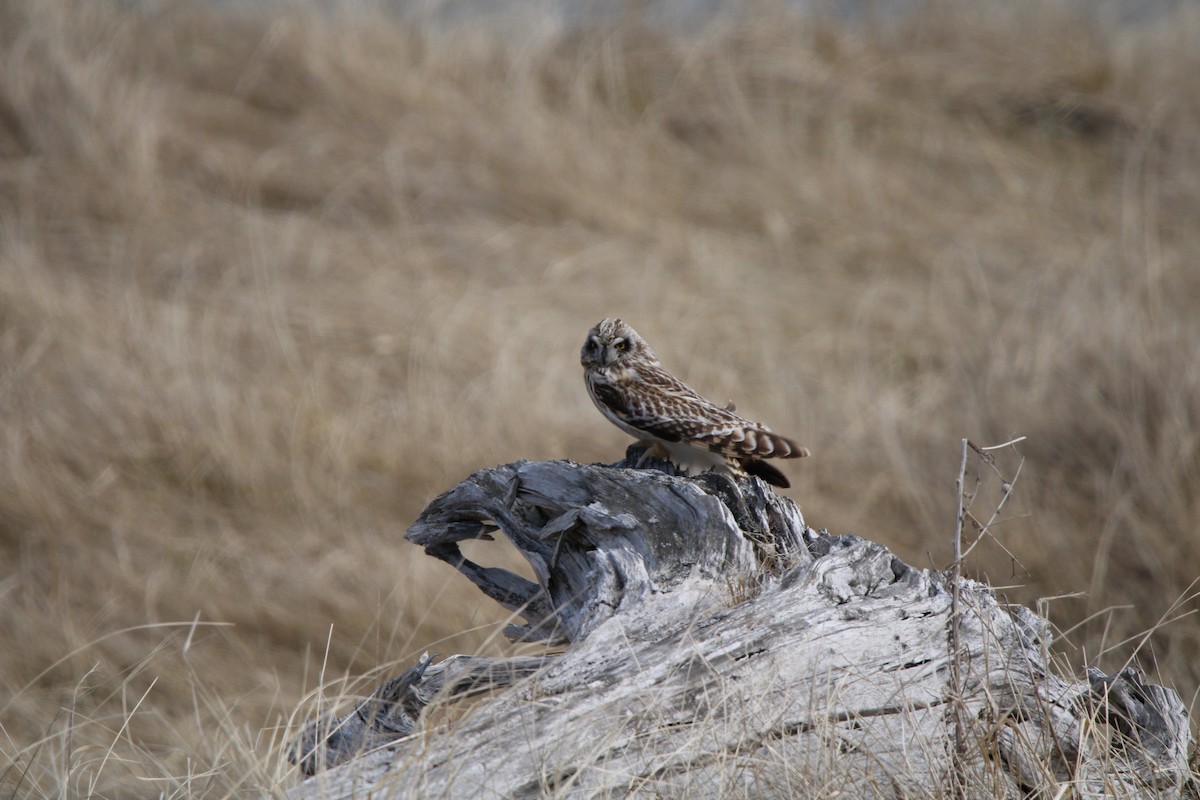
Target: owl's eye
(621, 345)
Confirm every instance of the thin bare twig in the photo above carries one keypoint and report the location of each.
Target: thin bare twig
(963, 501)
(958, 783)
(1006, 484)
(1009, 443)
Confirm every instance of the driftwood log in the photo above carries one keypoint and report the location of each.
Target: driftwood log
(716, 646)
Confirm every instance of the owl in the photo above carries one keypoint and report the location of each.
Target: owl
(636, 394)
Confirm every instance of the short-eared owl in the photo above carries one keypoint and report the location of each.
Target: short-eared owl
(641, 398)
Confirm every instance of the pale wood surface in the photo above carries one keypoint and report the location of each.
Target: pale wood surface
(718, 647)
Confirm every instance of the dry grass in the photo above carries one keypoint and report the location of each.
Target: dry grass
(269, 284)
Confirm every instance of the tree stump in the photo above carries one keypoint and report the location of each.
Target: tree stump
(716, 646)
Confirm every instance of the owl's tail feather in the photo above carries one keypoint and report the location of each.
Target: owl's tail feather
(761, 469)
(755, 441)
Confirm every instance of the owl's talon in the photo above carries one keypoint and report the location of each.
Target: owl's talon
(653, 451)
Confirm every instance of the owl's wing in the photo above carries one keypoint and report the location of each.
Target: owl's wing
(665, 407)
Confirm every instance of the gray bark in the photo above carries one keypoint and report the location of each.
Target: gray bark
(716, 646)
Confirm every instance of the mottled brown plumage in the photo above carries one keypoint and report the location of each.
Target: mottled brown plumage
(636, 394)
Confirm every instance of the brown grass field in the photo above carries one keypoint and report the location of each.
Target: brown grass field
(270, 283)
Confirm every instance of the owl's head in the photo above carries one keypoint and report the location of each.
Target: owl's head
(612, 342)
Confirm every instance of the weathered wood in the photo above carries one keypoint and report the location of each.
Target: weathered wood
(393, 710)
(718, 647)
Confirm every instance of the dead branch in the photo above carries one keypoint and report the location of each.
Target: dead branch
(718, 646)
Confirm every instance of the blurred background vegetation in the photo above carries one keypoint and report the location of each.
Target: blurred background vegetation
(270, 280)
